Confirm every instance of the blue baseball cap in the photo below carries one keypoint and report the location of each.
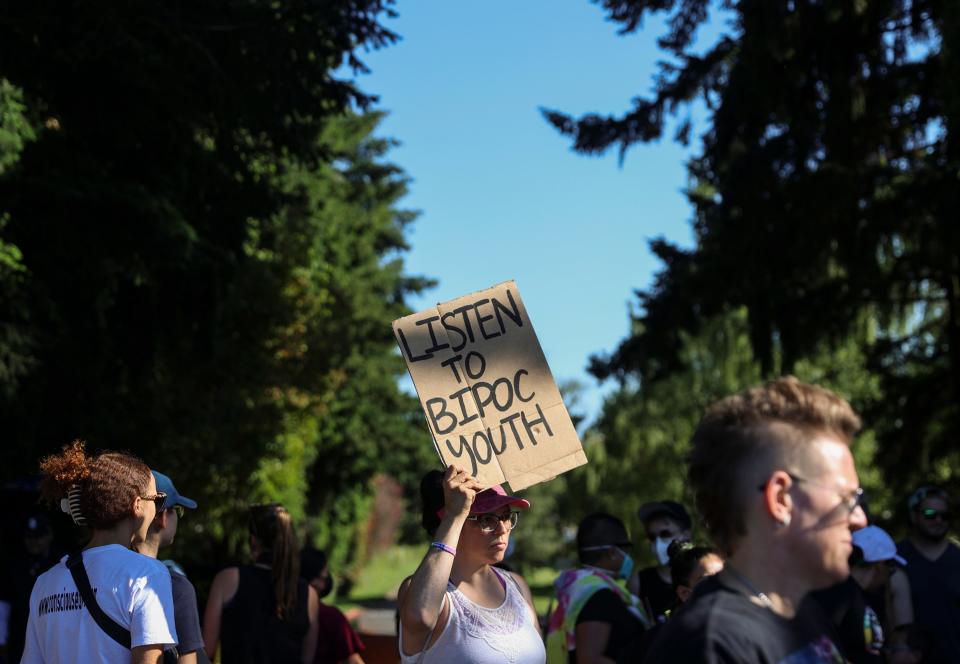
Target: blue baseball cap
(165, 485)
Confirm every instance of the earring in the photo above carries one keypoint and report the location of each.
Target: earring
(784, 522)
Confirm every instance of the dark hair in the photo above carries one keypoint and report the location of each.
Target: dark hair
(312, 562)
(856, 557)
(272, 527)
(431, 500)
(669, 509)
(772, 423)
(599, 529)
(684, 558)
(108, 483)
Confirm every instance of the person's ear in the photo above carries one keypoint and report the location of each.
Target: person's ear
(776, 497)
(162, 519)
(684, 592)
(138, 507)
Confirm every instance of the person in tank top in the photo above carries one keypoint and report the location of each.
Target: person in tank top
(263, 613)
(457, 607)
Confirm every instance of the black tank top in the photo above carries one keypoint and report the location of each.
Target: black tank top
(251, 632)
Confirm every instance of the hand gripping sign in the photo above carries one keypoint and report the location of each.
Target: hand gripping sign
(490, 400)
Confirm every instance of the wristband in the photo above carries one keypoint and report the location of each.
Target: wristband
(443, 547)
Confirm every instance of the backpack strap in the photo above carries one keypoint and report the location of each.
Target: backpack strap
(79, 573)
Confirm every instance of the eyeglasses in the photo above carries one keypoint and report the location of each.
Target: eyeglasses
(932, 514)
(159, 498)
(490, 522)
(851, 500)
(179, 510)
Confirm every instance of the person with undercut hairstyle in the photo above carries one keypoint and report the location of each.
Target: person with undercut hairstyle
(116, 496)
(775, 482)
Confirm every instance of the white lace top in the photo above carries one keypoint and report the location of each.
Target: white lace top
(477, 635)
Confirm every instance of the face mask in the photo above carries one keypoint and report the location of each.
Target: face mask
(659, 549)
(626, 567)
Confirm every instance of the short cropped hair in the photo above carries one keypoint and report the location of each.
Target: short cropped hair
(770, 425)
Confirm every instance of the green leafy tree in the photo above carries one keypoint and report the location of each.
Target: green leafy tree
(206, 248)
(16, 338)
(823, 203)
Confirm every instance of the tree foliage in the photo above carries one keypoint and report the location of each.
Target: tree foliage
(202, 251)
(824, 197)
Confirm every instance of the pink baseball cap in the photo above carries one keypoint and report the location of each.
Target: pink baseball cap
(492, 499)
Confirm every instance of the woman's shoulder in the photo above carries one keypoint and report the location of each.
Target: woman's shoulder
(228, 577)
(514, 578)
(232, 572)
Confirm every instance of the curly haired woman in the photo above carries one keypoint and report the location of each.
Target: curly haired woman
(115, 495)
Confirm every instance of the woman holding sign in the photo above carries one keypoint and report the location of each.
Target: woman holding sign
(457, 606)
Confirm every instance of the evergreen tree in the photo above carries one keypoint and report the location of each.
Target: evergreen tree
(823, 201)
(202, 252)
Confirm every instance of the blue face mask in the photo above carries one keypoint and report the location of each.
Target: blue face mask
(626, 567)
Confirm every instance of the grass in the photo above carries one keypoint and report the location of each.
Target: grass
(541, 580)
(381, 577)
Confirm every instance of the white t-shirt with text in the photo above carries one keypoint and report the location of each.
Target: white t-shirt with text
(131, 588)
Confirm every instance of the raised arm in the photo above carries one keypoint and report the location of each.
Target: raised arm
(421, 596)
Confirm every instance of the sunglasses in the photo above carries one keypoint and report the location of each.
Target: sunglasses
(932, 514)
(159, 498)
(490, 522)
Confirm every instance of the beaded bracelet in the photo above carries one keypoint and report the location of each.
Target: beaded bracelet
(443, 547)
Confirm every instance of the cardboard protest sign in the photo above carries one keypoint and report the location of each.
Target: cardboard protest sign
(488, 395)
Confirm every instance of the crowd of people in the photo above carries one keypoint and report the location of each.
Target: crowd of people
(795, 572)
(113, 601)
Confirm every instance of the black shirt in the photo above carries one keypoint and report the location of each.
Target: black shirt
(606, 607)
(857, 624)
(186, 618)
(935, 588)
(721, 625)
(251, 632)
(658, 596)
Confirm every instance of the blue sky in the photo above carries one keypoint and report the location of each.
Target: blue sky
(502, 195)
